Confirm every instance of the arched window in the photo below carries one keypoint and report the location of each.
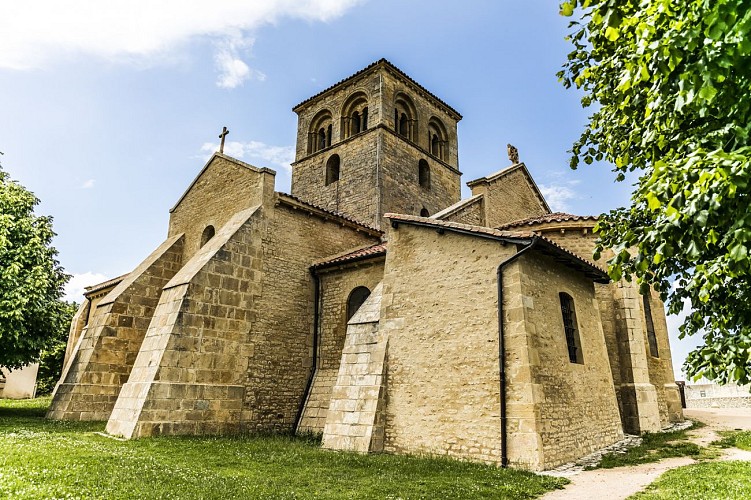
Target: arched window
(321, 139)
(356, 298)
(424, 212)
(651, 337)
(207, 234)
(332, 169)
(405, 117)
(438, 143)
(319, 134)
(354, 114)
(423, 173)
(571, 329)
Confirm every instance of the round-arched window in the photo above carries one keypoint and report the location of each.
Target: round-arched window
(356, 298)
(207, 234)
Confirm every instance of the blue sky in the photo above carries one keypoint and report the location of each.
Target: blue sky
(109, 109)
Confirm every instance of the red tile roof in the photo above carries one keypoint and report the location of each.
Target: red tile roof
(387, 64)
(545, 219)
(545, 245)
(295, 200)
(104, 284)
(363, 253)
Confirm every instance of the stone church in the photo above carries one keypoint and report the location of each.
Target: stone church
(373, 305)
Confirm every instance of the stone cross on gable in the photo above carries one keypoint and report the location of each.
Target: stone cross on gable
(513, 154)
(222, 136)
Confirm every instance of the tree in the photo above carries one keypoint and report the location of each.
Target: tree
(52, 356)
(671, 88)
(31, 279)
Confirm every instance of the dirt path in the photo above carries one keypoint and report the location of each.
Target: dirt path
(622, 482)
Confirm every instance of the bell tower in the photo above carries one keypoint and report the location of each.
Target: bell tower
(374, 143)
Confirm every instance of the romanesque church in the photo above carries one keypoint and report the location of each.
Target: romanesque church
(373, 305)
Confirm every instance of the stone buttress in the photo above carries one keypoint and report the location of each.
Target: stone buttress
(188, 376)
(355, 415)
(103, 356)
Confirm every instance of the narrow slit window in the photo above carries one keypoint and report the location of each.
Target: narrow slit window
(573, 343)
(332, 169)
(423, 173)
(651, 337)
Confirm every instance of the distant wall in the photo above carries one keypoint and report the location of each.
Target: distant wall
(21, 383)
(718, 396)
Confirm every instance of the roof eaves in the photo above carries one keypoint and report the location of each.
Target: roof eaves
(379, 63)
(295, 202)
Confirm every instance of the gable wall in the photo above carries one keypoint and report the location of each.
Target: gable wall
(221, 191)
(509, 198)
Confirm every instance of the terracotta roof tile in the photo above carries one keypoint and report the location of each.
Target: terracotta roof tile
(386, 63)
(353, 255)
(104, 284)
(549, 247)
(544, 219)
(300, 201)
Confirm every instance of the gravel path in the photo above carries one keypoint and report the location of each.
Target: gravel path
(622, 482)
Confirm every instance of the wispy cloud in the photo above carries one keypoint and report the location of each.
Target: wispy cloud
(88, 184)
(254, 151)
(558, 195)
(75, 287)
(233, 71)
(36, 33)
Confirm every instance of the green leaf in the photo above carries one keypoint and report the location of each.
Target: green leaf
(653, 202)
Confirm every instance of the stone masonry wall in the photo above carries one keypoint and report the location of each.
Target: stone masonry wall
(508, 198)
(336, 285)
(102, 363)
(472, 212)
(439, 315)
(355, 193)
(401, 192)
(578, 411)
(620, 317)
(281, 334)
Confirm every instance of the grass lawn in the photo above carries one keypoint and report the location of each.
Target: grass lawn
(52, 459)
(655, 447)
(703, 481)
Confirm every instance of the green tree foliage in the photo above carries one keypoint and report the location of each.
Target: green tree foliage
(669, 82)
(52, 356)
(31, 279)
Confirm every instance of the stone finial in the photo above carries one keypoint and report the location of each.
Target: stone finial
(513, 154)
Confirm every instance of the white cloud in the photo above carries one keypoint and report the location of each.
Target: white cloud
(75, 287)
(254, 151)
(232, 70)
(558, 195)
(35, 33)
(88, 184)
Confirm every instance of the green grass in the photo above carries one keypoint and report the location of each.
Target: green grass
(738, 439)
(49, 459)
(703, 481)
(655, 447)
